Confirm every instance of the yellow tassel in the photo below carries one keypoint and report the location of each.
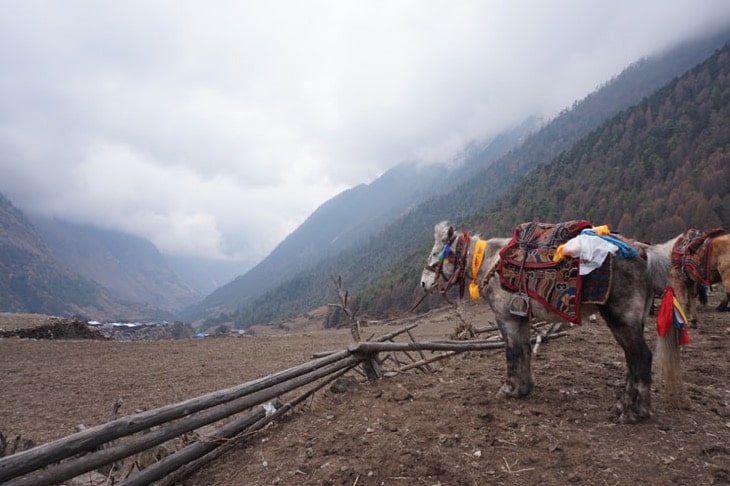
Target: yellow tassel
(476, 262)
(474, 291)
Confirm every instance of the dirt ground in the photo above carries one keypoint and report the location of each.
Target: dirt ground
(441, 428)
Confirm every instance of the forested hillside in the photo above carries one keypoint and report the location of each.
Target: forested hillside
(650, 173)
(381, 256)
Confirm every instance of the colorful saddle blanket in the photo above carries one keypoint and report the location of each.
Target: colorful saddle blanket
(691, 253)
(526, 266)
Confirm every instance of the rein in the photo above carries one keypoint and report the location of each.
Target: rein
(459, 259)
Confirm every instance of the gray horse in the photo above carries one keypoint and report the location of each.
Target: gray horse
(633, 285)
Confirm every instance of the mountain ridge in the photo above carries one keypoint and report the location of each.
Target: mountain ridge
(540, 147)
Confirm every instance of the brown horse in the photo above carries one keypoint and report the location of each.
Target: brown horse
(633, 284)
(686, 283)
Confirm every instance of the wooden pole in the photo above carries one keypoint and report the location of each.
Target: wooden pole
(437, 357)
(70, 469)
(89, 439)
(385, 337)
(371, 347)
(191, 466)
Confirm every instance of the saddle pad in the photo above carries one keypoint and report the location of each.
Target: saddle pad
(526, 265)
(691, 253)
(557, 288)
(597, 284)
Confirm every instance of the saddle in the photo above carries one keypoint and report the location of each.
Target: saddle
(527, 269)
(691, 253)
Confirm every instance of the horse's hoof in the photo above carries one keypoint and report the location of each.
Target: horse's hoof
(508, 391)
(628, 415)
(616, 411)
(627, 418)
(504, 392)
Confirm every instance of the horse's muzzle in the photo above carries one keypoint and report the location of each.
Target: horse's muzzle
(428, 280)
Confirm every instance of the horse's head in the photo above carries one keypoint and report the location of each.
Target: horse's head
(438, 262)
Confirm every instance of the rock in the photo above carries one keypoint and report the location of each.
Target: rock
(343, 385)
(401, 394)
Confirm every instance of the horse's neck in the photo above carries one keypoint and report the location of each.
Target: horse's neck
(491, 253)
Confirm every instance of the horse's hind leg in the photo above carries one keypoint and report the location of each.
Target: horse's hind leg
(628, 329)
(516, 334)
(724, 305)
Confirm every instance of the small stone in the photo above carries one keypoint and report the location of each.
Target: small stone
(401, 394)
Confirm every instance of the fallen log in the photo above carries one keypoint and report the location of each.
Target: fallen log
(70, 469)
(197, 449)
(89, 439)
(432, 359)
(73, 467)
(193, 464)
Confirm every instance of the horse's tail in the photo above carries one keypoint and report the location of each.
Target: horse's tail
(671, 333)
(667, 367)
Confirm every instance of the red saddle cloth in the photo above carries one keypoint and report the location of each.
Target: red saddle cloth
(526, 266)
(691, 253)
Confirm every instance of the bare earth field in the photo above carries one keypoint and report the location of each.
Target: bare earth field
(441, 428)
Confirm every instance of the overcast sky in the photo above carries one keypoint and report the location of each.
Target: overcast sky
(215, 128)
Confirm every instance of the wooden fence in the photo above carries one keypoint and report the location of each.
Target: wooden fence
(245, 408)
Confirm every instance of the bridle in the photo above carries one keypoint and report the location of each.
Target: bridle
(458, 258)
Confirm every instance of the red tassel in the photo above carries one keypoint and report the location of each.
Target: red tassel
(665, 315)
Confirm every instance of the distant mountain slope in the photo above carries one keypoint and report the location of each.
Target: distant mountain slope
(204, 275)
(353, 216)
(33, 280)
(362, 264)
(129, 266)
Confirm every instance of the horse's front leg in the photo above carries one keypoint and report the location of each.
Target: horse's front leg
(516, 334)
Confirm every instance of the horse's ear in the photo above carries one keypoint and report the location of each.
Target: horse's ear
(451, 232)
